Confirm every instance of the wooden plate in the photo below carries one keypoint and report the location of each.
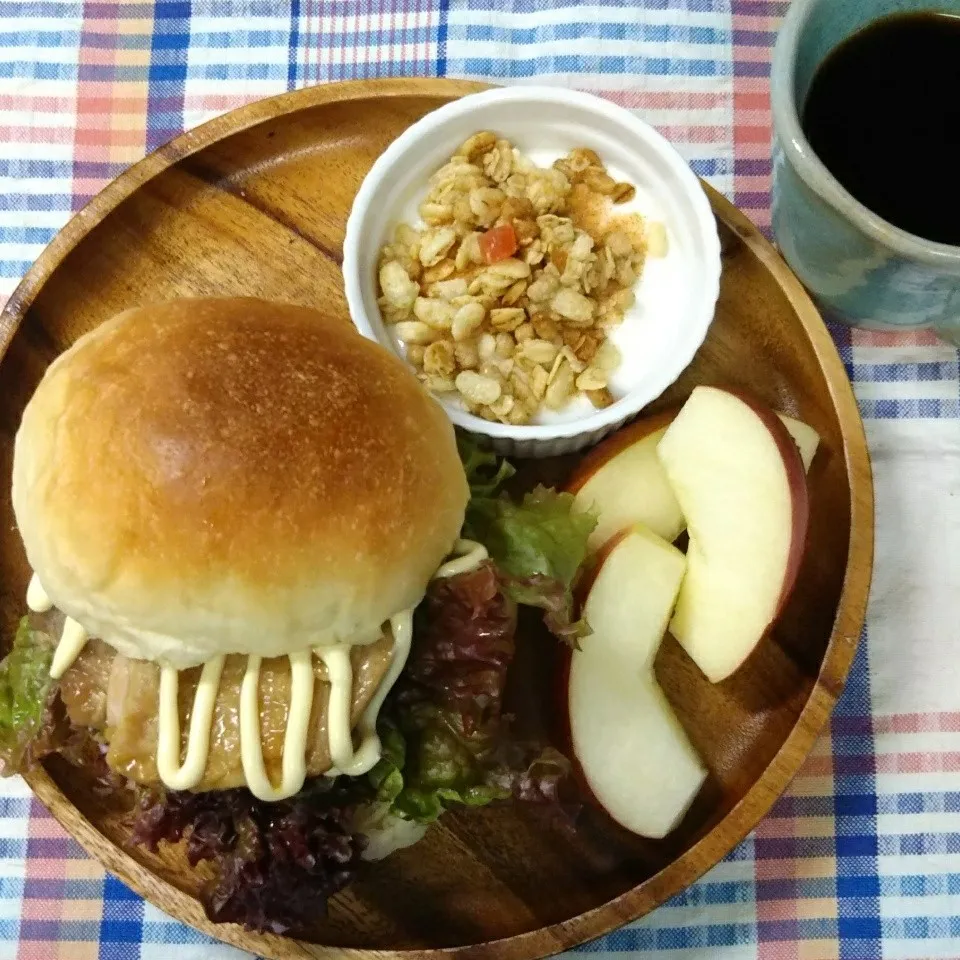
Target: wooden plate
(254, 203)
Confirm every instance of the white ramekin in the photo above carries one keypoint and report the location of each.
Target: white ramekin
(676, 294)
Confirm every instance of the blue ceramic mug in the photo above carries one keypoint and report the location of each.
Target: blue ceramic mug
(863, 270)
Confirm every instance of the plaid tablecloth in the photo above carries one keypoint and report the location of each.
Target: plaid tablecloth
(862, 858)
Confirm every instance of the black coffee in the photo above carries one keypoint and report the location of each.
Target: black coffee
(883, 113)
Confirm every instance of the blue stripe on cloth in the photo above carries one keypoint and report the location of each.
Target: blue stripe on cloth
(919, 844)
(84, 931)
(923, 928)
(921, 885)
(168, 72)
(896, 372)
(31, 70)
(855, 813)
(709, 892)
(122, 922)
(919, 409)
(791, 808)
(11, 807)
(42, 39)
(38, 9)
(218, 41)
(515, 67)
(442, 32)
(293, 45)
(842, 338)
(14, 269)
(11, 888)
(538, 6)
(36, 202)
(251, 70)
(171, 932)
(636, 32)
(34, 168)
(691, 937)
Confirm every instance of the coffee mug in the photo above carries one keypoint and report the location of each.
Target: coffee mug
(861, 269)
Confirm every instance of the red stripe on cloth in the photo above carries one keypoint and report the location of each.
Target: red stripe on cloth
(744, 54)
(946, 722)
(702, 134)
(916, 762)
(756, 24)
(217, 102)
(750, 100)
(35, 103)
(41, 826)
(885, 338)
(36, 134)
(751, 114)
(771, 911)
(751, 133)
(664, 100)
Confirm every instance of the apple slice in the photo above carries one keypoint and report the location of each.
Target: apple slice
(739, 479)
(633, 754)
(623, 480)
(804, 436)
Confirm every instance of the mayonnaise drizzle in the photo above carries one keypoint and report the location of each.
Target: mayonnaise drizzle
(37, 599)
(340, 677)
(294, 767)
(186, 776)
(72, 641)
(345, 759)
(368, 753)
(470, 555)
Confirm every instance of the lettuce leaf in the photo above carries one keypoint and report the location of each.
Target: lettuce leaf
(539, 545)
(441, 772)
(486, 472)
(445, 740)
(25, 692)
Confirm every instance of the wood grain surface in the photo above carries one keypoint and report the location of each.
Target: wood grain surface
(255, 203)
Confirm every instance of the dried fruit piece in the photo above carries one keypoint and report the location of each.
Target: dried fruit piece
(498, 243)
(525, 304)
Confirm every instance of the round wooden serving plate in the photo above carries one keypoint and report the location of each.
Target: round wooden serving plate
(254, 204)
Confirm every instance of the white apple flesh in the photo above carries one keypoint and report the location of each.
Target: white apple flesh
(623, 480)
(739, 479)
(804, 436)
(632, 751)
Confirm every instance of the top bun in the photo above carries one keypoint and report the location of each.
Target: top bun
(233, 476)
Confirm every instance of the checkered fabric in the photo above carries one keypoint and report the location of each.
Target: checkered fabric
(861, 859)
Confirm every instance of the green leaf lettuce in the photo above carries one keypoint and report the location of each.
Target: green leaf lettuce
(25, 689)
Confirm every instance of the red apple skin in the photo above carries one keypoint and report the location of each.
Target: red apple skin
(607, 449)
(797, 480)
(581, 590)
(594, 563)
(562, 731)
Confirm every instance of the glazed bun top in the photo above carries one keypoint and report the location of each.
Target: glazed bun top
(233, 476)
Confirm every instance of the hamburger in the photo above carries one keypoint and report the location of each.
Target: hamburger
(273, 599)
